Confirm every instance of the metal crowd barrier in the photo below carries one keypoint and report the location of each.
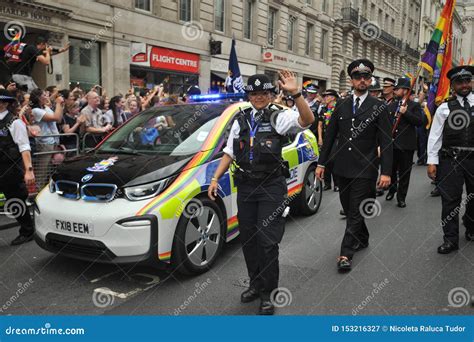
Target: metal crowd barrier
(45, 163)
(90, 141)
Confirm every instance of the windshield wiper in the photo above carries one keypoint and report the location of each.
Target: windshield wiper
(122, 150)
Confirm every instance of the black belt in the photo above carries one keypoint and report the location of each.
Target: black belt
(456, 153)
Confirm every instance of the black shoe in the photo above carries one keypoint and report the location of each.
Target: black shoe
(250, 295)
(435, 192)
(447, 248)
(336, 189)
(359, 246)
(266, 308)
(469, 236)
(401, 204)
(326, 187)
(390, 196)
(380, 192)
(342, 212)
(344, 264)
(20, 239)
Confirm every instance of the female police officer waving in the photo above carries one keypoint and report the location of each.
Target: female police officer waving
(255, 144)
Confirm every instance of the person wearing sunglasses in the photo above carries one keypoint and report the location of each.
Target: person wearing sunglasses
(361, 123)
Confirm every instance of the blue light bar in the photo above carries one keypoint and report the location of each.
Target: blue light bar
(218, 97)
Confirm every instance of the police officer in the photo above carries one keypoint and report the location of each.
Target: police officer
(375, 89)
(451, 157)
(361, 123)
(330, 97)
(15, 166)
(387, 89)
(312, 90)
(406, 116)
(255, 145)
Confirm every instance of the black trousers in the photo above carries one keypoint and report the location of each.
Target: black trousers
(261, 225)
(14, 189)
(401, 171)
(453, 174)
(354, 194)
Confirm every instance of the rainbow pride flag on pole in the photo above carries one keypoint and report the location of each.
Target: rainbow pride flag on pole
(437, 60)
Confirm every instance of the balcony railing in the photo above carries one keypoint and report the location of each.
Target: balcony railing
(412, 52)
(388, 38)
(350, 15)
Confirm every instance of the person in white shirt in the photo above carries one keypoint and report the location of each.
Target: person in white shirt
(16, 170)
(451, 157)
(254, 146)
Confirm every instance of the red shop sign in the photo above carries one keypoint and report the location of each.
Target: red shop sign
(162, 58)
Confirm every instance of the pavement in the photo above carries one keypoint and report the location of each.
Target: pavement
(400, 273)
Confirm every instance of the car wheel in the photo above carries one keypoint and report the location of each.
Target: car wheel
(199, 237)
(311, 194)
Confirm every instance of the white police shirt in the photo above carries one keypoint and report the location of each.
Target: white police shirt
(435, 140)
(286, 122)
(19, 133)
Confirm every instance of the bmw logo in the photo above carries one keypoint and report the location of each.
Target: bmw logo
(87, 178)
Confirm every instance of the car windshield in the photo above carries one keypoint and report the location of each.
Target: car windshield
(169, 130)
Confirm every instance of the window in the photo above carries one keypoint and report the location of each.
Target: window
(84, 62)
(144, 5)
(248, 13)
(355, 48)
(308, 48)
(271, 36)
(325, 6)
(219, 9)
(324, 44)
(185, 10)
(291, 32)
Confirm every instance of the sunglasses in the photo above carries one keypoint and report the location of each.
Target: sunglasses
(358, 77)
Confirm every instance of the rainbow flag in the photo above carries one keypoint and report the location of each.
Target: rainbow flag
(14, 44)
(437, 60)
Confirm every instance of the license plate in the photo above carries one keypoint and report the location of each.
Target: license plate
(74, 227)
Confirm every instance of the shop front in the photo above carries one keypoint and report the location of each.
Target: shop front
(219, 70)
(308, 70)
(154, 65)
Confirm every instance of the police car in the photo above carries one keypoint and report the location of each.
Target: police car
(141, 195)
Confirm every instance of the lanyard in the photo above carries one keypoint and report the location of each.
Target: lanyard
(253, 132)
(397, 112)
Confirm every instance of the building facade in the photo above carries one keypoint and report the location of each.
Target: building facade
(145, 42)
(373, 29)
(466, 10)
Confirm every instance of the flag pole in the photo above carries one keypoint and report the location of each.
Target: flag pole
(405, 100)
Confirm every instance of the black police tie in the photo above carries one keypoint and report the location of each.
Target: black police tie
(467, 106)
(356, 106)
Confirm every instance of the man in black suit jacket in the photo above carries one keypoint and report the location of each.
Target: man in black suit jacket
(408, 116)
(361, 123)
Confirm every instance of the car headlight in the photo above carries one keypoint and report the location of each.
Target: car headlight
(145, 191)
